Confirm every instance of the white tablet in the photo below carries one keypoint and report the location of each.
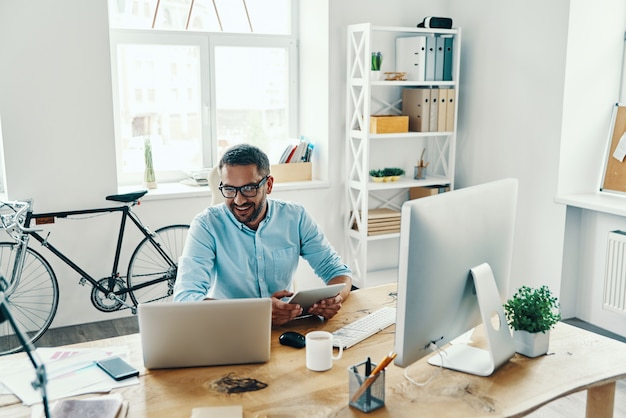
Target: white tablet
(306, 298)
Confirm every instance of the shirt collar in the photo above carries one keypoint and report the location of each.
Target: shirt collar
(242, 226)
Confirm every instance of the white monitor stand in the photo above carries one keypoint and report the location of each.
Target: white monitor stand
(500, 348)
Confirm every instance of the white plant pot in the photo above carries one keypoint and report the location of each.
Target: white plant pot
(531, 344)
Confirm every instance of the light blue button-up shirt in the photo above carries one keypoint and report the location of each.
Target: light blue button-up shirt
(224, 259)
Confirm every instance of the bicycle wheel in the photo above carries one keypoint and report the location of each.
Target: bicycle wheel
(32, 301)
(150, 275)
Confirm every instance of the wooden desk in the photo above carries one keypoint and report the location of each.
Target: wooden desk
(577, 360)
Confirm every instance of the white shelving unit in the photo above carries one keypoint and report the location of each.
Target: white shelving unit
(373, 258)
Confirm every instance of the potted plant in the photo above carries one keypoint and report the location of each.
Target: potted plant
(392, 173)
(377, 61)
(532, 313)
(377, 175)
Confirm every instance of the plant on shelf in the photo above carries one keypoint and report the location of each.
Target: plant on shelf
(149, 179)
(386, 174)
(377, 175)
(392, 172)
(377, 60)
(532, 313)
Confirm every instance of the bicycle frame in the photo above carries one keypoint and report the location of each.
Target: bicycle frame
(33, 290)
(127, 213)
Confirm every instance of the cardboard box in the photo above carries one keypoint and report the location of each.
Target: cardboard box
(388, 124)
(417, 192)
(284, 173)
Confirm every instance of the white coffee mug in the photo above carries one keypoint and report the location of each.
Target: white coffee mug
(319, 351)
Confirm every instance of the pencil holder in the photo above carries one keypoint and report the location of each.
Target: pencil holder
(420, 172)
(373, 397)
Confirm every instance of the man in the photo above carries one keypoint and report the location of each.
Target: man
(250, 245)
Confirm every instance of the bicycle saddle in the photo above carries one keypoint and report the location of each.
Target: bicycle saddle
(127, 197)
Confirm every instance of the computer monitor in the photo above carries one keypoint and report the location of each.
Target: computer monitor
(455, 255)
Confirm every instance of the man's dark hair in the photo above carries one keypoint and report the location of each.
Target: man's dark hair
(244, 154)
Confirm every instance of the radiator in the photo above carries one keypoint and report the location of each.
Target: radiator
(615, 274)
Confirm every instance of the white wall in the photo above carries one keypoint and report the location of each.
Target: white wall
(592, 85)
(510, 105)
(56, 102)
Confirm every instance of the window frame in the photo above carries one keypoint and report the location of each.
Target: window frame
(270, 41)
(207, 42)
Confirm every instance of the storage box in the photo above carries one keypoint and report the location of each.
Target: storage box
(417, 192)
(284, 173)
(387, 124)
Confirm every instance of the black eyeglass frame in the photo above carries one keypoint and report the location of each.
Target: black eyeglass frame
(250, 188)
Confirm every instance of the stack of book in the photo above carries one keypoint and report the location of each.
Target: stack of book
(382, 221)
(300, 153)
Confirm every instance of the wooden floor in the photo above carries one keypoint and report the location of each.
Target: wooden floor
(572, 406)
(88, 332)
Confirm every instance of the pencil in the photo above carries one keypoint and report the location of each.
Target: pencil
(372, 377)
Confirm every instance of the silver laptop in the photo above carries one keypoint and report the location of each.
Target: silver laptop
(206, 333)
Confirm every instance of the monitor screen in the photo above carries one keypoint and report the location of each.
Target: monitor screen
(442, 238)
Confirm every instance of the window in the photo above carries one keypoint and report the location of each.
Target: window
(230, 77)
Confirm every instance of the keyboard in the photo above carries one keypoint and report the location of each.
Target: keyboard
(365, 327)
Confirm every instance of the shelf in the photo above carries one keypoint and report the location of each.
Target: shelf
(414, 30)
(360, 81)
(359, 134)
(410, 83)
(366, 150)
(357, 235)
(403, 183)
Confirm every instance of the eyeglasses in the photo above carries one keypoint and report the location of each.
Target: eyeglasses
(249, 190)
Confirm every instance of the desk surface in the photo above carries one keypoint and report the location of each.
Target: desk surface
(577, 360)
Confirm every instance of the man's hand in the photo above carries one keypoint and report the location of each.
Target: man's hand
(283, 312)
(327, 307)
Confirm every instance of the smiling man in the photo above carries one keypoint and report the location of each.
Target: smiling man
(249, 246)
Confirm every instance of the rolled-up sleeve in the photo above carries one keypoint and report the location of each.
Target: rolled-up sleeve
(196, 266)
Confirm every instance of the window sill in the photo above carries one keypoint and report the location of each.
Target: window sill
(166, 191)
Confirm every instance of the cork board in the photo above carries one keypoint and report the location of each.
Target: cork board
(615, 169)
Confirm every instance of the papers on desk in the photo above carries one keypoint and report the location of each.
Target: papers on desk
(69, 373)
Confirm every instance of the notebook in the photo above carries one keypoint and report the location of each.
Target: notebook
(206, 333)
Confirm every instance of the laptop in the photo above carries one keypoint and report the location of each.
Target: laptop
(205, 333)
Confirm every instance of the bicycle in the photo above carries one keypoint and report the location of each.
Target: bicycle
(31, 288)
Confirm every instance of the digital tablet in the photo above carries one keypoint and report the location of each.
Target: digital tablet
(306, 298)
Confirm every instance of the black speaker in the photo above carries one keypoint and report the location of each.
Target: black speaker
(433, 22)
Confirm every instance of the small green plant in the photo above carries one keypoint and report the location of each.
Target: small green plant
(377, 173)
(149, 177)
(392, 171)
(532, 309)
(377, 60)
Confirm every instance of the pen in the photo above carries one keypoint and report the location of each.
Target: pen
(372, 377)
(368, 372)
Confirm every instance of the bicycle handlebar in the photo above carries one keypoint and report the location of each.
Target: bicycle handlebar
(16, 218)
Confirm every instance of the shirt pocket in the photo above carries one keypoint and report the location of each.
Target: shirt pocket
(284, 264)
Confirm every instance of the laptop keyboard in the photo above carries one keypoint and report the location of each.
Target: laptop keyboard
(365, 327)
